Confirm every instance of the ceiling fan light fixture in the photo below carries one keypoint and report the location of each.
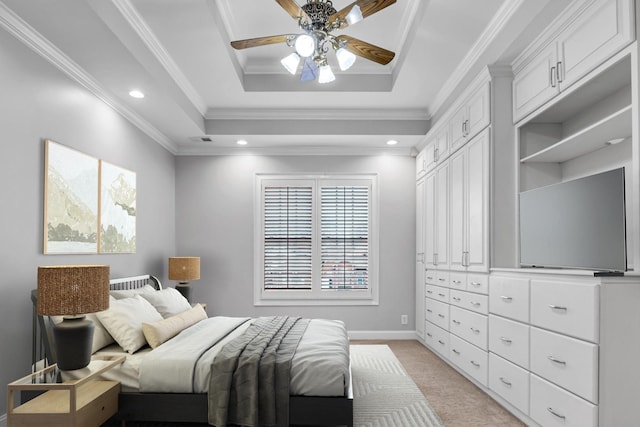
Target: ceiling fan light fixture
(355, 15)
(325, 75)
(345, 58)
(305, 45)
(291, 62)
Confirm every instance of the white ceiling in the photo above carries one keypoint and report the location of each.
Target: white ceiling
(178, 53)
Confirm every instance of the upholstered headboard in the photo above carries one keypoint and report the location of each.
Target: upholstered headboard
(43, 348)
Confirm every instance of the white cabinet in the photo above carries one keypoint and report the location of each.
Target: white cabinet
(588, 37)
(421, 163)
(436, 218)
(473, 115)
(420, 267)
(469, 195)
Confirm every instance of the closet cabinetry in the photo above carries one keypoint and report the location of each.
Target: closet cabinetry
(473, 115)
(587, 35)
(436, 218)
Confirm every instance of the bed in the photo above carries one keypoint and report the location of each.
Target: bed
(320, 390)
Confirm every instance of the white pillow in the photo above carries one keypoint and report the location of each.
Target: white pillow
(168, 302)
(124, 320)
(158, 332)
(128, 293)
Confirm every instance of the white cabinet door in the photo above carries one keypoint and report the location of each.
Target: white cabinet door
(478, 111)
(601, 31)
(457, 230)
(477, 203)
(442, 216)
(442, 144)
(421, 165)
(536, 83)
(457, 127)
(430, 220)
(420, 267)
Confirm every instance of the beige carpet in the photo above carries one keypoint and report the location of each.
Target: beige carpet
(384, 394)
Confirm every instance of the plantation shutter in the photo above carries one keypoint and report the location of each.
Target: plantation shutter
(345, 237)
(288, 231)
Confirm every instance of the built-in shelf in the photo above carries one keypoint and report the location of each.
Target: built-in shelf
(587, 140)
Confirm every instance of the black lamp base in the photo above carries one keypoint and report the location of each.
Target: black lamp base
(73, 338)
(185, 290)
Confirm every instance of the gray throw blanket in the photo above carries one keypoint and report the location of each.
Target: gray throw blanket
(249, 381)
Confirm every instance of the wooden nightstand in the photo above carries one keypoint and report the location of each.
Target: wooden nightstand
(78, 403)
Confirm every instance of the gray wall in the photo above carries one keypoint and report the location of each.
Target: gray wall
(214, 220)
(37, 101)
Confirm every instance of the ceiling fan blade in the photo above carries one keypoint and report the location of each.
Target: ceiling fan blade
(293, 9)
(367, 7)
(367, 50)
(260, 41)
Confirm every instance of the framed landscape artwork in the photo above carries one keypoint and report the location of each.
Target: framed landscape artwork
(117, 209)
(89, 204)
(71, 201)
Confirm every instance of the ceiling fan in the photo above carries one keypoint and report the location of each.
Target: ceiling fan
(318, 19)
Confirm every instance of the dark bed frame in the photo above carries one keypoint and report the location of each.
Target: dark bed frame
(184, 407)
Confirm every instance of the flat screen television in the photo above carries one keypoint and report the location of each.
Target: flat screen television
(575, 224)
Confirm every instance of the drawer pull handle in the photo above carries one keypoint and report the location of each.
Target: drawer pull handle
(429, 310)
(429, 335)
(441, 342)
(505, 340)
(442, 280)
(456, 299)
(456, 351)
(557, 307)
(475, 331)
(457, 322)
(476, 284)
(474, 303)
(506, 298)
(429, 277)
(429, 292)
(505, 382)
(554, 413)
(474, 363)
(457, 282)
(440, 315)
(442, 295)
(554, 360)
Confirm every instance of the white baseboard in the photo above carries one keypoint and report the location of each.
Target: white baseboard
(382, 335)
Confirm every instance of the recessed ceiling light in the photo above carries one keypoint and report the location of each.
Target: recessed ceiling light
(392, 142)
(241, 142)
(136, 94)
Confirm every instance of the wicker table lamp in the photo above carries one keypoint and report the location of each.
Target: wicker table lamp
(183, 269)
(72, 291)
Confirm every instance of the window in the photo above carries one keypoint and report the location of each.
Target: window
(316, 240)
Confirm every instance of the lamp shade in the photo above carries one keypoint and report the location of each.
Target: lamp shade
(184, 268)
(71, 290)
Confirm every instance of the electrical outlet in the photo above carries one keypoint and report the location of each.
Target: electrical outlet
(404, 319)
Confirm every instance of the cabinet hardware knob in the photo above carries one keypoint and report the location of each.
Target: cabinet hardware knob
(474, 303)
(456, 299)
(441, 295)
(506, 298)
(562, 417)
(474, 363)
(558, 361)
(429, 335)
(441, 342)
(440, 315)
(475, 284)
(559, 71)
(429, 311)
(457, 282)
(475, 331)
(505, 340)
(456, 351)
(429, 292)
(505, 382)
(557, 307)
(457, 322)
(553, 76)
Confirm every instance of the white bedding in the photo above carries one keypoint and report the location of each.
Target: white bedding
(320, 366)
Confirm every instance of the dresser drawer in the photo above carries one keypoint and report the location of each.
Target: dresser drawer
(469, 358)
(509, 339)
(469, 325)
(437, 292)
(509, 297)
(478, 283)
(568, 308)
(438, 338)
(442, 278)
(510, 382)
(551, 406)
(470, 301)
(431, 277)
(458, 281)
(567, 362)
(437, 312)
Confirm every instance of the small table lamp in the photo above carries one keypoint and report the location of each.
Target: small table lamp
(72, 291)
(183, 269)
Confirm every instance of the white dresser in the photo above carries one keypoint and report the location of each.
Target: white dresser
(564, 347)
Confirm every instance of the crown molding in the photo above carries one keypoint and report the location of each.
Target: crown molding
(133, 18)
(294, 151)
(26, 34)
(489, 35)
(319, 114)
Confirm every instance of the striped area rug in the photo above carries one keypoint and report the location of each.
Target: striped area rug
(384, 395)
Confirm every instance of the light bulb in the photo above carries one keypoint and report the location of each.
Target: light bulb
(325, 75)
(345, 58)
(355, 15)
(291, 62)
(305, 45)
